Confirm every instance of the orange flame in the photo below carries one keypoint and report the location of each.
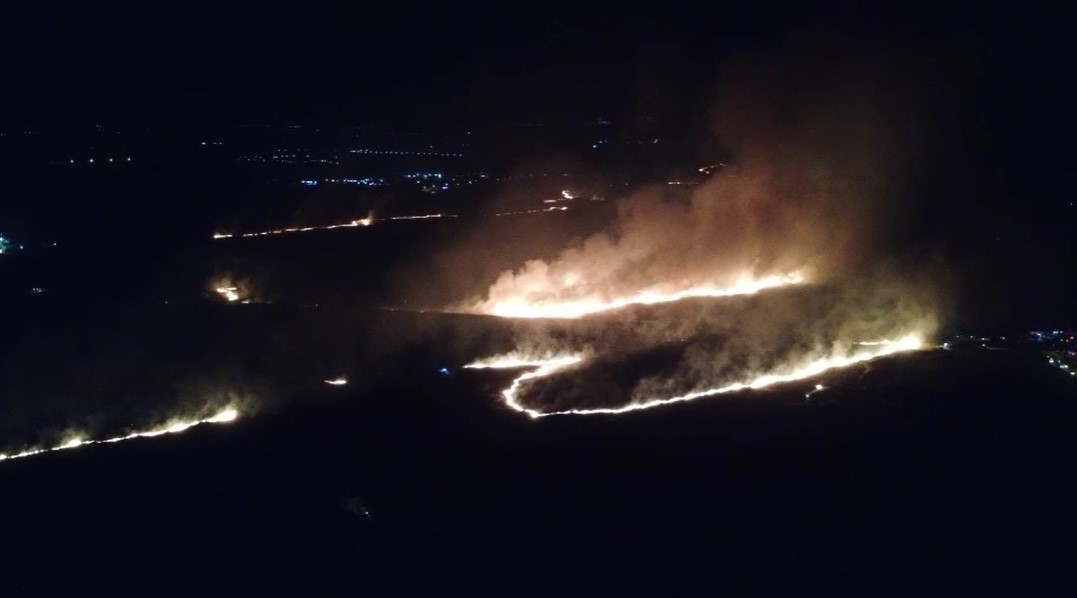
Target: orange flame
(525, 307)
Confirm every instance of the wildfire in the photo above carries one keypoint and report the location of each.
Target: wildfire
(793, 372)
(422, 217)
(360, 222)
(539, 211)
(229, 293)
(173, 427)
(369, 220)
(545, 367)
(523, 307)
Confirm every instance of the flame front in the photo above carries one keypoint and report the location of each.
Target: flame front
(790, 373)
(545, 366)
(229, 293)
(358, 222)
(525, 305)
(225, 415)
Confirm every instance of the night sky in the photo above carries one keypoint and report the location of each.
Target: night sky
(992, 75)
(406, 60)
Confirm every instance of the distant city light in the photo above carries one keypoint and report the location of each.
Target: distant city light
(406, 153)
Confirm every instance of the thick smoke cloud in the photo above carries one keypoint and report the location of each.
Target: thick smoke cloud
(822, 172)
(815, 185)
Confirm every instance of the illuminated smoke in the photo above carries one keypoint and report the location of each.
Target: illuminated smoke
(806, 214)
(225, 415)
(807, 368)
(815, 190)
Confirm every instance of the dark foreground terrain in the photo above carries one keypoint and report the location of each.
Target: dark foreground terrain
(944, 472)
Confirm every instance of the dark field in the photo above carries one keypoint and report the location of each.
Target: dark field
(937, 472)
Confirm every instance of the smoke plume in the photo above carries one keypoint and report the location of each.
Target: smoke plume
(821, 175)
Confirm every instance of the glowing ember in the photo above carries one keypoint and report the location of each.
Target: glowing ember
(279, 231)
(224, 416)
(229, 293)
(422, 217)
(791, 373)
(369, 220)
(522, 307)
(549, 209)
(341, 381)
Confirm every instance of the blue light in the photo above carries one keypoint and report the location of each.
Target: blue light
(444, 371)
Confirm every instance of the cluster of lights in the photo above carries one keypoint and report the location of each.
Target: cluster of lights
(548, 366)
(531, 175)
(438, 184)
(441, 182)
(1062, 363)
(289, 157)
(1049, 336)
(405, 153)
(109, 160)
(365, 181)
(174, 427)
(338, 381)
